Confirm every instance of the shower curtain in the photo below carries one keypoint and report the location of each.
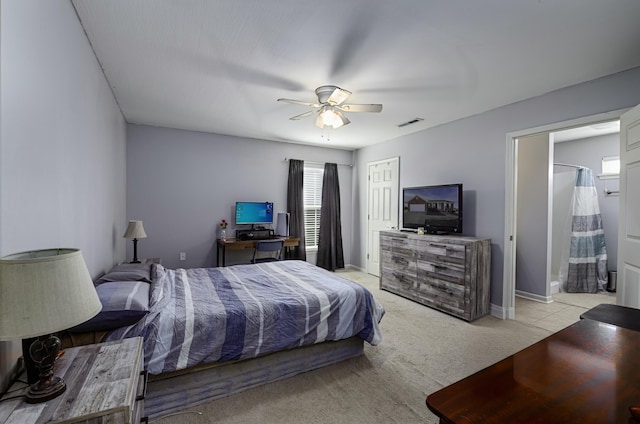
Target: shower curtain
(587, 268)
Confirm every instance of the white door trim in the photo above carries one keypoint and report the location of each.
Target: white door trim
(511, 197)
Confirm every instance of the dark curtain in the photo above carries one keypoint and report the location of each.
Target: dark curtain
(330, 254)
(295, 207)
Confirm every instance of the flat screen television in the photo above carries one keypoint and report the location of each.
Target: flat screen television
(254, 213)
(437, 208)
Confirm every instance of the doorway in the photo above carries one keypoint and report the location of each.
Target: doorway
(595, 147)
(512, 202)
(382, 206)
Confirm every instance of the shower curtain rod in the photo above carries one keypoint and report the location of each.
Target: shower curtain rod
(572, 166)
(317, 163)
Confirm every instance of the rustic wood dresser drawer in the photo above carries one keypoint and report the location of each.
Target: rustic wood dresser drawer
(448, 273)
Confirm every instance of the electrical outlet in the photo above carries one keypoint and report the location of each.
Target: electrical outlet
(183, 256)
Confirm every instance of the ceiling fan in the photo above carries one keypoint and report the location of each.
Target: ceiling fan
(330, 107)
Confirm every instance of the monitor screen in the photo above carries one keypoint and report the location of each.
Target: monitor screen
(436, 208)
(254, 212)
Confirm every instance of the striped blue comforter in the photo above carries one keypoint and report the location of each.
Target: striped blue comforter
(205, 315)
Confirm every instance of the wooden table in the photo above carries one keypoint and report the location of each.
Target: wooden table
(587, 373)
(621, 316)
(235, 244)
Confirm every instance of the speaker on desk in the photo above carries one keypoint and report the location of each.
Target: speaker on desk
(282, 224)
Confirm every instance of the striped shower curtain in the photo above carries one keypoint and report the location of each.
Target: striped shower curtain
(587, 270)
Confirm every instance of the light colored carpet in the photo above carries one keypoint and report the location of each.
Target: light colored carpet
(422, 351)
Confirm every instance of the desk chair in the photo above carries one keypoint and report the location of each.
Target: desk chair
(275, 245)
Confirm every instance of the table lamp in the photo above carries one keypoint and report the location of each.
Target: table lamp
(135, 231)
(42, 292)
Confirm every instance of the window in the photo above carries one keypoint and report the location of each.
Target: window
(312, 194)
(611, 166)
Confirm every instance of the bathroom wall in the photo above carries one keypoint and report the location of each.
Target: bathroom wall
(587, 152)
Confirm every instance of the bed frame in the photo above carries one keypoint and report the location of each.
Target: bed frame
(173, 392)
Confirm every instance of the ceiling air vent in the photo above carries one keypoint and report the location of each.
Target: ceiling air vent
(413, 121)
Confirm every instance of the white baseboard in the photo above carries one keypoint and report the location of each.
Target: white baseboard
(534, 297)
(351, 267)
(502, 313)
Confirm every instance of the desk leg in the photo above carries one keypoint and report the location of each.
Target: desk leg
(224, 255)
(220, 248)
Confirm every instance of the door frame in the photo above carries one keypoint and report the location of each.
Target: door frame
(511, 199)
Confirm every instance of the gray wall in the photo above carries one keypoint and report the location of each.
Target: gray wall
(589, 152)
(182, 183)
(62, 143)
(473, 150)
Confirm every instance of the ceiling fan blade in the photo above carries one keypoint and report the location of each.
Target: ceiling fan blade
(338, 96)
(299, 102)
(352, 42)
(361, 108)
(304, 115)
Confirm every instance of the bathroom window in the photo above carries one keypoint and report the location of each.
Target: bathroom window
(610, 167)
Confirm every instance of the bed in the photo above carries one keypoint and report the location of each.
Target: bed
(212, 332)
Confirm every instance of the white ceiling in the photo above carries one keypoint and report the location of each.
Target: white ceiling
(219, 66)
(588, 131)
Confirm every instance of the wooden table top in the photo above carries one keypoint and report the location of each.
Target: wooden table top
(587, 373)
(237, 243)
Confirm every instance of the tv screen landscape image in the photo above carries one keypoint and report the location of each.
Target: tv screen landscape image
(437, 208)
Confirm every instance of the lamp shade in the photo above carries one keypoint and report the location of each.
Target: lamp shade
(135, 230)
(44, 291)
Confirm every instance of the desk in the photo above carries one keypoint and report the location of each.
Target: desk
(234, 244)
(586, 373)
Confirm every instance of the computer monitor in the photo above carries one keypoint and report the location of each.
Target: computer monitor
(254, 213)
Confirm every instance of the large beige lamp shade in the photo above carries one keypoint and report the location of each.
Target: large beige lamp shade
(135, 231)
(42, 292)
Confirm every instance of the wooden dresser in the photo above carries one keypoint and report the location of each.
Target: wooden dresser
(105, 384)
(448, 273)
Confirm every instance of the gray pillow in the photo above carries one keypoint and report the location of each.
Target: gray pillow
(127, 272)
(123, 303)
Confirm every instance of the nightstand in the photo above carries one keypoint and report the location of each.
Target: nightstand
(105, 383)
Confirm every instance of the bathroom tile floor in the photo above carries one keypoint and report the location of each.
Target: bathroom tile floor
(565, 309)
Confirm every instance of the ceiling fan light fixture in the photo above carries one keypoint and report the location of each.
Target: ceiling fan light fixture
(330, 107)
(332, 118)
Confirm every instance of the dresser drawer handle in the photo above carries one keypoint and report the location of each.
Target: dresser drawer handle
(444, 246)
(145, 376)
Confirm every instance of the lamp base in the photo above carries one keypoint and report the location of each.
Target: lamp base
(135, 252)
(44, 352)
(43, 391)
